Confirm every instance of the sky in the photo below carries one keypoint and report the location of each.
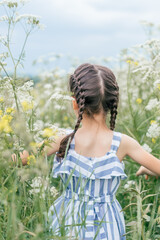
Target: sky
(84, 28)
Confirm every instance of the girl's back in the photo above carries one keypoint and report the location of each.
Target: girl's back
(95, 143)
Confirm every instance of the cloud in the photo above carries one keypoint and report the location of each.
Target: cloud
(88, 27)
(90, 16)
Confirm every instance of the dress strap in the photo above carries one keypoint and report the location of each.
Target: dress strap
(116, 141)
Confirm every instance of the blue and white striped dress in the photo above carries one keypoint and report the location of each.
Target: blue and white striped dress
(89, 198)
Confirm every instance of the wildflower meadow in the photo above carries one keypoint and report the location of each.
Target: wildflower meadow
(36, 111)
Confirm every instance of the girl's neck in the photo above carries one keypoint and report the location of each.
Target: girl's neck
(98, 122)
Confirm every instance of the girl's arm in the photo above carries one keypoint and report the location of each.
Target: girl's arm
(49, 150)
(54, 146)
(134, 150)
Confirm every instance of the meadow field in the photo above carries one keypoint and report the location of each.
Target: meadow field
(31, 112)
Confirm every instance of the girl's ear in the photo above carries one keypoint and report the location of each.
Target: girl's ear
(74, 103)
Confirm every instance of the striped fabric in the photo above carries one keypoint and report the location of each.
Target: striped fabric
(88, 201)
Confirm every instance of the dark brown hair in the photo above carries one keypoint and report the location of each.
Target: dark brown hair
(95, 89)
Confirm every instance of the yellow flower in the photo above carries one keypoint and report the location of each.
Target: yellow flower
(49, 132)
(136, 63)
(153, 140)
(158, 86)
(1, 112)
(139, 100)
(129, 61)
(31, 159)
(152, 121)
(27, 106)
(46, 142)
(8, 129)
(35, 145)
(65, 118)
(7, 117)
(1, 99)
(10, 110)
(4, 126)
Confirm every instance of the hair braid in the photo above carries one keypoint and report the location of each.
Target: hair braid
(79, 95)
(114, 112)
(81, 103)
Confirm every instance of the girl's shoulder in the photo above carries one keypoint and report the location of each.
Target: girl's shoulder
(125, 138)
(128, 143)
(128, 140)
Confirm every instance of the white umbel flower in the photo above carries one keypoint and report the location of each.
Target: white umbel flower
(53, 191)
(153, 131)
(29, 17)
(38, 125)
(147, 148)
(13, 3)
(4, 18)
(39, 185)
(152, 104)
(58, 96)
(129, 184)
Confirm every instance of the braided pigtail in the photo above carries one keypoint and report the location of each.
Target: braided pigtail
(113, 112)
(114, 106)
(79, 95)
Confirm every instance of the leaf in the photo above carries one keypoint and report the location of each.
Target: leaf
(145, 216)
(129, 131)
(132, 231)
(150, 195)
(134, 190)
(128, 206)
(131, 223)
(145, 191)
(147, 210)
(157, 220)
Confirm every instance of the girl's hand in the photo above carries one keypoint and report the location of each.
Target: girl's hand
(23, 157)
(13, 157)
(142, 170)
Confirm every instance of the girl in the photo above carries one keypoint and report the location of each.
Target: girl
(93, 156)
